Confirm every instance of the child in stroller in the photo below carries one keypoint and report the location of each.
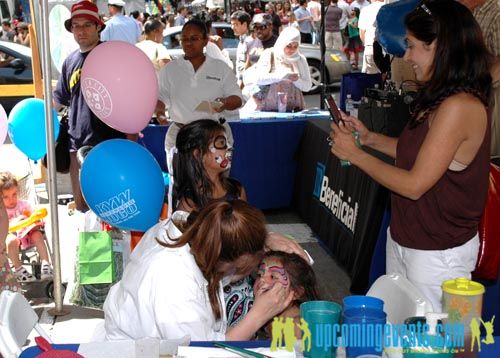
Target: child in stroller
(25, 237)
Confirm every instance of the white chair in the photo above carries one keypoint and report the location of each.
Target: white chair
(401, 298)
(17, 320)
(401, 301)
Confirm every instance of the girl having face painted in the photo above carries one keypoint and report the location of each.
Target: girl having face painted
(292, 272)
(200, 165)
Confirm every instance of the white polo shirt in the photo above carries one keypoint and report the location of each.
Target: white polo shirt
(182, 89)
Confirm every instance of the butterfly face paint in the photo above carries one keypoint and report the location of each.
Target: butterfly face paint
(271, 271)
(220, 143)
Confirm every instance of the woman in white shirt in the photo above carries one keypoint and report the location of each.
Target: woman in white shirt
(195, 79)
(281, 69)
(172, 286)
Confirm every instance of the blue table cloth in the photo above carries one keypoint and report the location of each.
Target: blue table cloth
(264, 159)
(487, 351)
(32, 352)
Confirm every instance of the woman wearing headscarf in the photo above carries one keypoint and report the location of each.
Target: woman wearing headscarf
(280, 70)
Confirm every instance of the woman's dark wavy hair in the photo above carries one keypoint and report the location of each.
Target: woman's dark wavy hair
(461, 62)
(191, 182)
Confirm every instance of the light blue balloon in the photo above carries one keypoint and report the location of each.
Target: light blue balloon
(122, 183)
(27, 128)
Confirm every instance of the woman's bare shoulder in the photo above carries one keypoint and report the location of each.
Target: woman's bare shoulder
(461, 106)
(462, 116)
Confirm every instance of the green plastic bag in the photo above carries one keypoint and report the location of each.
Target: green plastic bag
(95, 256)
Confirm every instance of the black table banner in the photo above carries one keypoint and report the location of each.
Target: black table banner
(342, 205)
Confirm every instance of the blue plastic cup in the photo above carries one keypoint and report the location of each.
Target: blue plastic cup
(321, 317)
(359, 301)
(365, 327)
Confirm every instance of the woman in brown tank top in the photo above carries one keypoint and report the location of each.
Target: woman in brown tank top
(439, 181)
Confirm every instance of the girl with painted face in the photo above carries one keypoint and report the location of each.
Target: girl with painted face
(200, 175)
(203, 156)
(295, 274)
(179, 290)
(200, 163)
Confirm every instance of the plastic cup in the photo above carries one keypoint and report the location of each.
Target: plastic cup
(360, 301)
(320, 316)
(369, 324)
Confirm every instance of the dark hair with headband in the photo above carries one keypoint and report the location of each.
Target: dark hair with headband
(461, 61)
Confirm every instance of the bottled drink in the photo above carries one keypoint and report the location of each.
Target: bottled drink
(282, 101)
(353, 111)
(349, 106)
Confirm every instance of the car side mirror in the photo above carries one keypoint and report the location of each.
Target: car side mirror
(17, 64)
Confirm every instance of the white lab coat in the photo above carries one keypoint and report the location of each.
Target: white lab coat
(162, 294)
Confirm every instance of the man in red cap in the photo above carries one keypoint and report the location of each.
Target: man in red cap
(85, 129)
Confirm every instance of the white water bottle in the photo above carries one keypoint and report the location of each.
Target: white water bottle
(349, 107)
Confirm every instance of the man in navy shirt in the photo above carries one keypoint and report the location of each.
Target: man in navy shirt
(84, 127)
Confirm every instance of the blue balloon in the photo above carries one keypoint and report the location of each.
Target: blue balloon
(123, 184)
(27, 127)
(390, 26)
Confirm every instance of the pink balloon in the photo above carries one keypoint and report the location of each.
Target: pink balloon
(3, 124)
(120, 86)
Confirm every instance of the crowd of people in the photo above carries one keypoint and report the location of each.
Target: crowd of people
(213, 270)
(15, 31)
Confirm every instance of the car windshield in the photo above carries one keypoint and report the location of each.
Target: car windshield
(23, 50)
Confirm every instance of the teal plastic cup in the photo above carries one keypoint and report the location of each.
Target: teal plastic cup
(322, 317)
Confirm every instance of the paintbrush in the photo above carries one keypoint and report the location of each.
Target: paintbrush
(240, 351)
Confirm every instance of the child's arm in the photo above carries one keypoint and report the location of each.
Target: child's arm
(4, 225)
